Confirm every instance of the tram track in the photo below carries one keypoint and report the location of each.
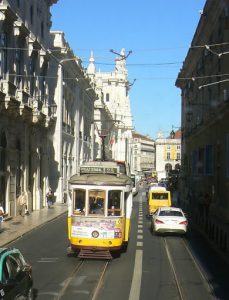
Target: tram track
(182, 294)
(173, 268)
(83, 270)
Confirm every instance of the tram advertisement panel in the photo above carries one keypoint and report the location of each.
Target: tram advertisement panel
(96, 228)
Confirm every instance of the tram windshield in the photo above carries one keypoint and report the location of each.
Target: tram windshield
(96, 202)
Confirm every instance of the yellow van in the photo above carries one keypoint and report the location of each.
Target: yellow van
(158, 197)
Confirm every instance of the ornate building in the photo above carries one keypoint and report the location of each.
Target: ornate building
(25, 105)
(72, 138)
(113, 116)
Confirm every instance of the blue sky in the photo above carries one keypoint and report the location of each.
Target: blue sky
(158, 33)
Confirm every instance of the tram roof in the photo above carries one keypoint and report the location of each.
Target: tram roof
(101, 179)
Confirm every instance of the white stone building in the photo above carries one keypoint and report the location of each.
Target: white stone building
(25, 115)
(72, 137)
(116, 119)
(143, 154)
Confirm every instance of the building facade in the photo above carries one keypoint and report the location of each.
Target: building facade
(71, 139)
(168, 153)
(113, 92)
(143, 154)
(204, 85)
(25, 105)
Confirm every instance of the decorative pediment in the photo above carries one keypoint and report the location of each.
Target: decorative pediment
(20, 29)
(33, 45)
(6, 13)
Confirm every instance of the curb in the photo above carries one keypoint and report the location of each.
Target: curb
(33, 227)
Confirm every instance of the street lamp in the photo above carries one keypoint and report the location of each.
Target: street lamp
(172, 133)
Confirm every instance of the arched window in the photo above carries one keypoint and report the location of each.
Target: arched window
(168, 167)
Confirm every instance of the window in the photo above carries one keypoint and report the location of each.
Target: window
(227, 159)
(114, 203)
(200, 163)
(178, 156)
(79, 201)
(170, 213)
(194, 161)
(168, 155)
(209, 160)
(96, 202)
(3, 55)
(42, 29)
(160, 196)
(107, 97)
(31, 14)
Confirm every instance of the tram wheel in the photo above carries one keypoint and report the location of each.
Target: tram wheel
(115, 253)
(124, 247)
(72, 252)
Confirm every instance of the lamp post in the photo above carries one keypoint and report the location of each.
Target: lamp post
(173, 133)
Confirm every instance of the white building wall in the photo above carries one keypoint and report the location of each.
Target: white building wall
(114, 93)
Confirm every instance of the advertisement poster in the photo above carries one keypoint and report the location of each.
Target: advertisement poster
(96, 228)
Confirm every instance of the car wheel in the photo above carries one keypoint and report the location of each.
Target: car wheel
(30, 294)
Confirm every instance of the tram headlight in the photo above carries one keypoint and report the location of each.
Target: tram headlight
(95, 234)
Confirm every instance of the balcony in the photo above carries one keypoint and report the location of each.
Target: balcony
(23, 96)
(8, 88)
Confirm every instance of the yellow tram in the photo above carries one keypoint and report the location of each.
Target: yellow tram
(99, 210)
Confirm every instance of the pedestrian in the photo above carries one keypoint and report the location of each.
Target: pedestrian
(22, 204)
(1, 216)
(49, 198)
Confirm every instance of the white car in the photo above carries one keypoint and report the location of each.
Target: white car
(169, 220)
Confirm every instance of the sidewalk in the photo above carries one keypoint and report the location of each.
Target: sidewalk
(18, 226)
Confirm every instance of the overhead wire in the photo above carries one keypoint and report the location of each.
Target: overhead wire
(50, 50)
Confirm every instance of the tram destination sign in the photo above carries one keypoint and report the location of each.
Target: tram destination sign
(98, 170)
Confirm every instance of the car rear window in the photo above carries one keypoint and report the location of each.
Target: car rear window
(160, 196)
(170, 213)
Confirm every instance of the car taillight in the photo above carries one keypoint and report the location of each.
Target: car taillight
(184, 222)
(158, 221)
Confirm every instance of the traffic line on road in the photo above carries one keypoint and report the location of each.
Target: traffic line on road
(137, 276)
(48, 259)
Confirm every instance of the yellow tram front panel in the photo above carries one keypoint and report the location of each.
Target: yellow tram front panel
(96, 232)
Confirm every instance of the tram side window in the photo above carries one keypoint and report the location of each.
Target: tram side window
(114, 203)
(96, 202)
(79, 205)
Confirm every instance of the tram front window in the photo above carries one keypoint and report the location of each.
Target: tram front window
(114, 203)
(79, 204)
(96, 202)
